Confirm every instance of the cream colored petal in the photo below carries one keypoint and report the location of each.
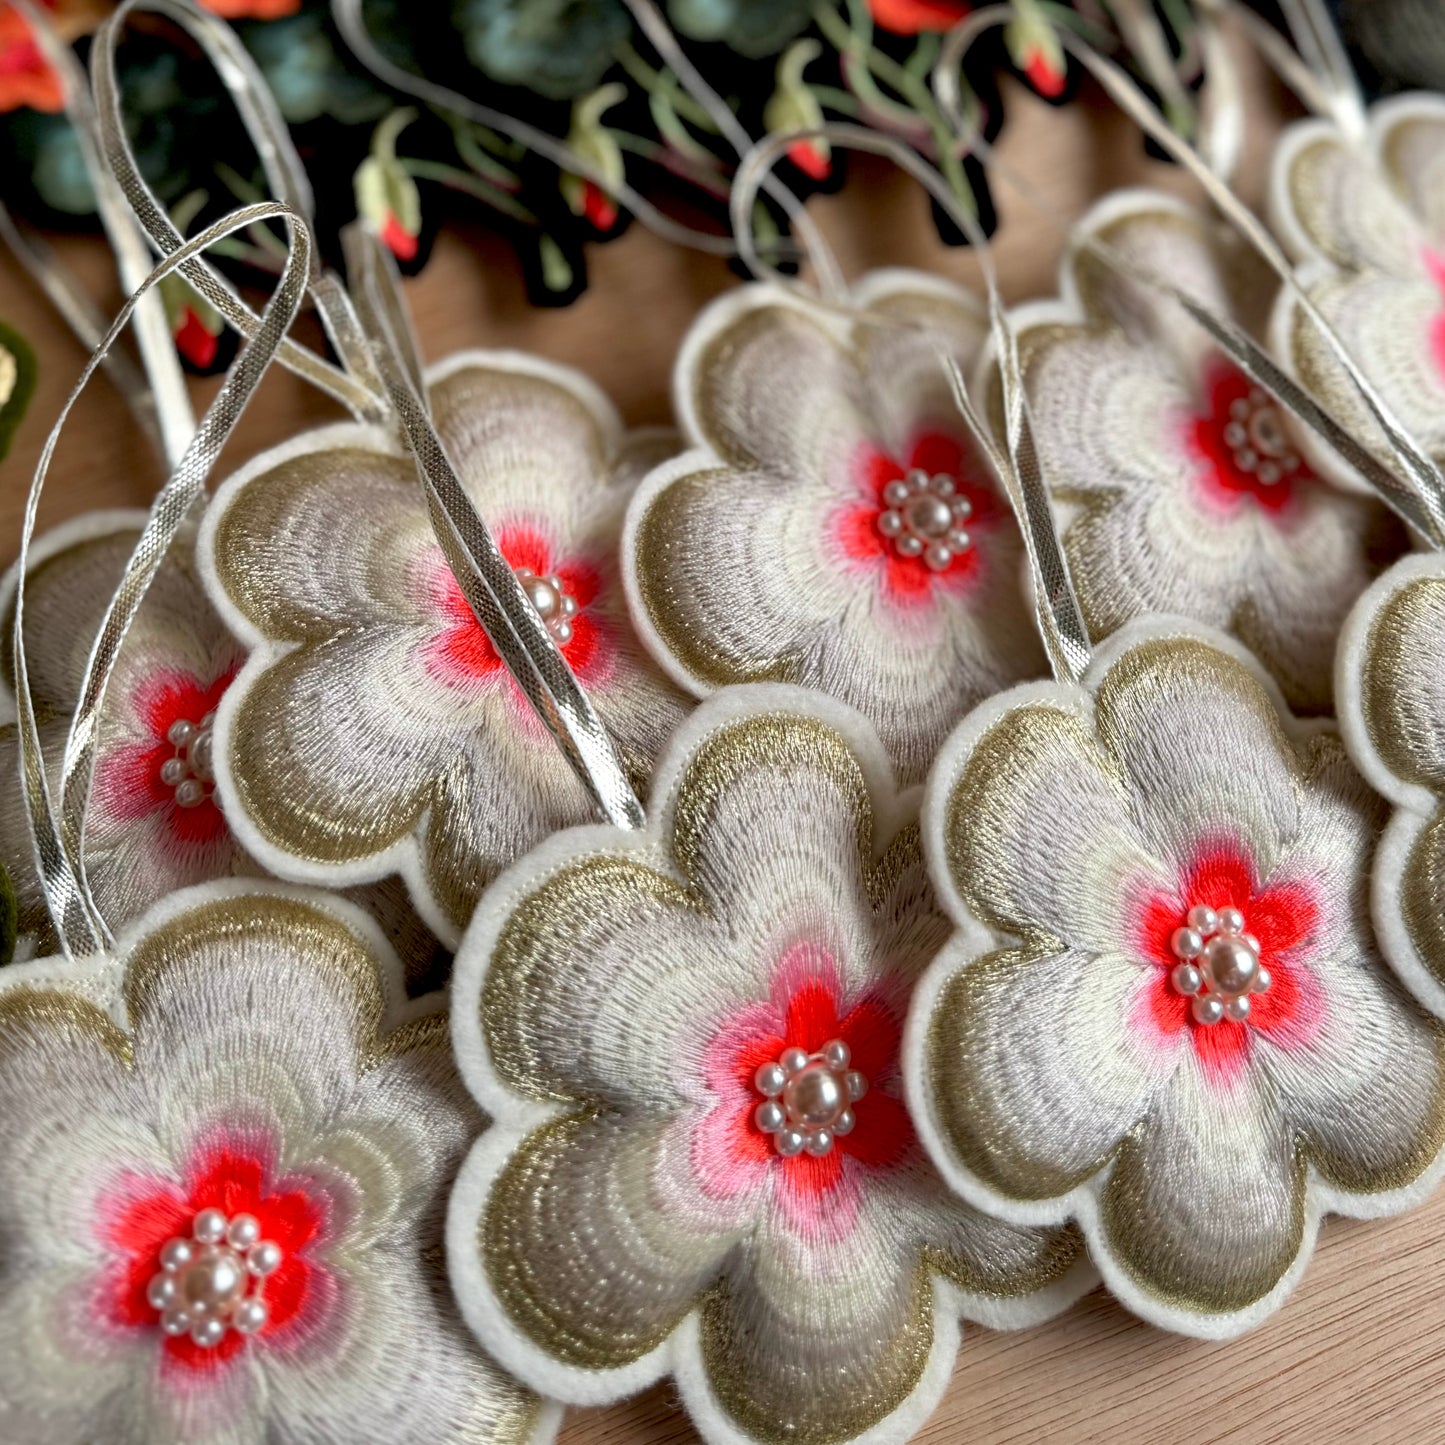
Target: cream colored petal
(1039, 836)
(1412, 150)
(319, 541)
(579, 1253)
(1202, 748)
(1033, 1071)
(330, 754)
(1391, 329)
(1402, 682)
(1204, 1208)
(773, 387)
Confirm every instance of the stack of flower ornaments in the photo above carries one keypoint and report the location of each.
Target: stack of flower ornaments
(928, 987)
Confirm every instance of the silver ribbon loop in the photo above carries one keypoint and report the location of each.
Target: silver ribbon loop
(58, 844)
(263, 122)
(511, 623)
(1059, 616)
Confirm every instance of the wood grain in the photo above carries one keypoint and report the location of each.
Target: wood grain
(1359, 1351)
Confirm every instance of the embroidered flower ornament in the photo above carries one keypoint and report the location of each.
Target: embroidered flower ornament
(1367, 222)
(1183, 489)
(226, 1146)
(1164, 1014)
(701, 1165)
(834, 526)
(374, 728)
(153, 824)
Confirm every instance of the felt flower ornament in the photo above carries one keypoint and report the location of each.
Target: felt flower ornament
(701, 1163)
(373, 727)
(153, 824)
(1164, 1013)
(226, 1145)
(1392, 657)
(1367, 221)
(1184, 490)
(833, 526)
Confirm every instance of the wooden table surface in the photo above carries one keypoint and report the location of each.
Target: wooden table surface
(1358, 1352)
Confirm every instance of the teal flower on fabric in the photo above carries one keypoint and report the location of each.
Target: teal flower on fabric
(307, 74)
(750, 27)
(558, 48)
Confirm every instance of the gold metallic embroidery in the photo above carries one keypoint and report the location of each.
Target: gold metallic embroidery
(30, 1009)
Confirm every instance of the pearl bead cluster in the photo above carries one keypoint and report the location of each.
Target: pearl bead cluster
(212, 1282)
(551, 601)
(807, 1099)
(1257, 439)
(1218, 966)
(190, 772)
(923, 517)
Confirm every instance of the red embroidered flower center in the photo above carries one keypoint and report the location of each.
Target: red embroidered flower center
(829, 1058)
(1244, 445)
(1249, 938)
(919, 514)
(560, 591)
(218, 1260)
(172, 771)
(214, 1280)
(1219, 967)
(808, 1098)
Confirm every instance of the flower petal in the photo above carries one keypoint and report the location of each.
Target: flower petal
(1204, 1208)
(1203, 751)
(579, 1252)
(1032, 1071)
(1038, 833)
(330, 752)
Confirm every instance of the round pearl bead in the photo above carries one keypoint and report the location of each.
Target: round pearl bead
(770, 1116)
(793, 1060)
(1237, 1009)
(813, 1096)
(1262, 980)
(836, 1055)
(1230, 965)
(208, 1333)
(190, 793)
(908, 545)
(210, 1227)
(175, 1322)
(562, 631)
(1231, 920)
(264, 1257)
(250, 1316)
(200, 754)
(770, 1079)
(890, 523)
(844, 1123)
(1207, 1009)
(176, 1254)
(896, 493)
(936, 556)
(1187, 979)
(856, 1084)
(929, 515)
(173, 770)
(1187, 943)
(180, 733)
(958, 540)
(214, 1281)
(820, 1142)
(1202, 920)
(243, 1231)
(961, 508)
(161, 1291)
(790, 1142)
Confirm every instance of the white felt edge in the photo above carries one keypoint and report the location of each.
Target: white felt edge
(1383, 117)
(84, 528)
(404, 857)
(973, 940)
(57, 972)
(1415, 805)
(515, 1117)
(1313, 268)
